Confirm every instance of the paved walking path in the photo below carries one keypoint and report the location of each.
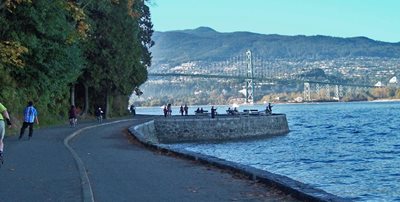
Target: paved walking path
(119, 169)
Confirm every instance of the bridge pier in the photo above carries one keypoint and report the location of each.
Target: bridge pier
(325, 93)
(328, 91)
(307, 92)
(318, 89)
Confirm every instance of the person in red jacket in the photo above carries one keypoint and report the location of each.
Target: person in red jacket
(72, 116)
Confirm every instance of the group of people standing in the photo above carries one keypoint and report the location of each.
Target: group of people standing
(30, 116)
(167, 110)
(184, 109)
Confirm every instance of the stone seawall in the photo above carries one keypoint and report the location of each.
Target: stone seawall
(145, 133)
(192, 128)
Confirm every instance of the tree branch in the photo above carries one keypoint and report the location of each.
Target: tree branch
(90, 1)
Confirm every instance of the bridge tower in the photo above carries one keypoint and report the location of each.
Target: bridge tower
(249, 79)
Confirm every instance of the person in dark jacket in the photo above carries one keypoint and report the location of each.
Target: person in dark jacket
(186, 109)
(181, 110)
(133, 110)
(213, 112)
(99, 115)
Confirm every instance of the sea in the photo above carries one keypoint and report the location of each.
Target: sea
(350, 149)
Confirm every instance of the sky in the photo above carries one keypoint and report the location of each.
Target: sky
(375, 19)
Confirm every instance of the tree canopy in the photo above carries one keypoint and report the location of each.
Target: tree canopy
(49, 47)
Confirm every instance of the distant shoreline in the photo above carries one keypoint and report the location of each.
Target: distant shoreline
(259, 103)
(386, 100)
(379, 100)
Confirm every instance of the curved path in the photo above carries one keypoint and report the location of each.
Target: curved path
(118, 168)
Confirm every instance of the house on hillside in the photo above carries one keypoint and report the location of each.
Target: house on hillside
(379, 84)
(393, 82)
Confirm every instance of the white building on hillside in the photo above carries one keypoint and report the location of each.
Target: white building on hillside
(393, 80)
(378, 84)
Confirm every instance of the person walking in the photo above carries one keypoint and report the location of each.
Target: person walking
(165, 110)
(268, 109)
(213, 111)
(3, 116)
(133, 110)
(169, 107)
(186, 109)
(30, 116)
(181, 110)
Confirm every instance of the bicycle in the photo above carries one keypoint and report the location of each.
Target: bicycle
(100, 119)
(73, 122)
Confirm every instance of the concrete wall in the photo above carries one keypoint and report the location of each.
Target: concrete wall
(304, 192)
(145, 132)
(192, 129)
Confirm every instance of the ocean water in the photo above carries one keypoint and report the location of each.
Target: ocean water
(348, 149)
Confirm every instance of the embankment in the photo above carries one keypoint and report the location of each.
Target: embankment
(148, 134)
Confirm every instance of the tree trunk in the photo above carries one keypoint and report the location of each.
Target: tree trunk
(72, 94)
(86, 106)
(107, 104)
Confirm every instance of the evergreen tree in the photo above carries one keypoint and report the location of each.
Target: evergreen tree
(45, 55)
(117, 51)
(48, 46)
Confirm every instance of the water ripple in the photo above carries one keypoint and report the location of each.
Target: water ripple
(348, 149)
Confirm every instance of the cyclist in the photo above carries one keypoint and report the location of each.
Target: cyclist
(72, 113)
(99, 115)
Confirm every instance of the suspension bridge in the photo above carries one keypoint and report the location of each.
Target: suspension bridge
(251, 70)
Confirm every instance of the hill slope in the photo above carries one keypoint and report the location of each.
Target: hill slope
(206, 44)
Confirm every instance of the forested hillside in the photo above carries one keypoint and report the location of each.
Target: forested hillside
(206, 44)
(62, 52)
(357, 60)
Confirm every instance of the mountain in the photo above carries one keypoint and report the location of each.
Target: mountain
(206, 44)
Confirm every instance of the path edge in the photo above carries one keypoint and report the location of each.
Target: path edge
(87, 191)
(296, 189)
